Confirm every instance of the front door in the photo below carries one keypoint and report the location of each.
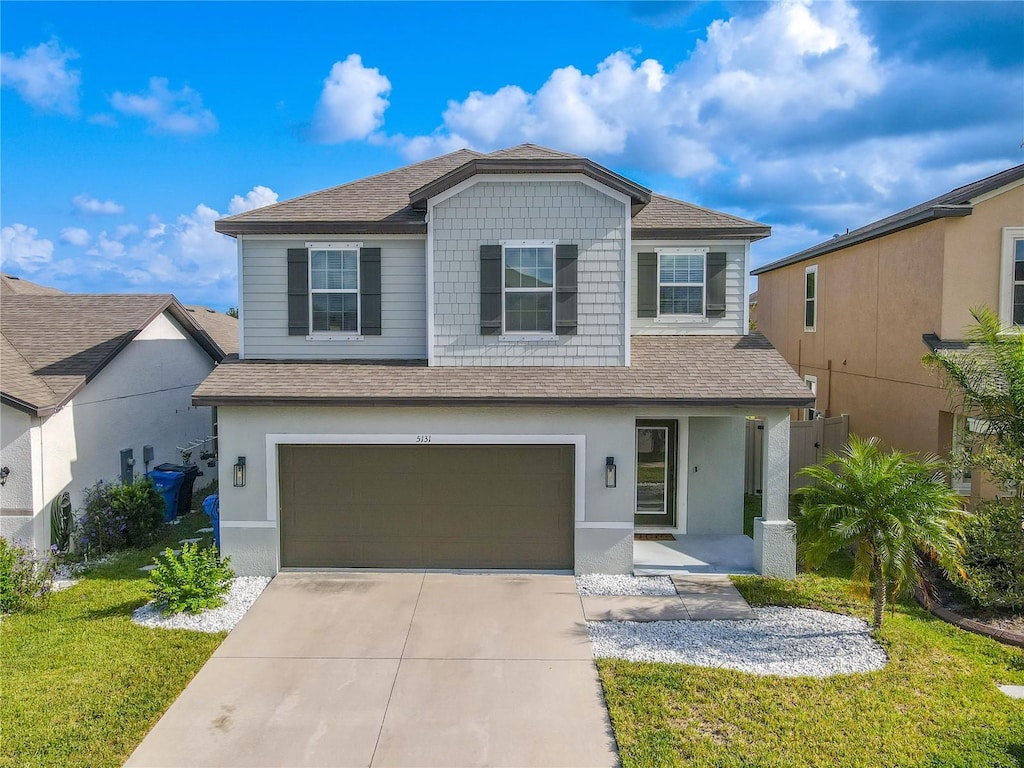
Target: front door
(656, 473)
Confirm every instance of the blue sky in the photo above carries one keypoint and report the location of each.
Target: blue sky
(128, 128)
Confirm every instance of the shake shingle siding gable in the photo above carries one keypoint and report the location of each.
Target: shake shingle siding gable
(566, 212)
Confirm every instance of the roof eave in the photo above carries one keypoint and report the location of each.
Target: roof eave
(319, 227)
(270, 400)
(700, 233)
(640, 195)
(837, 244)
(27, 407)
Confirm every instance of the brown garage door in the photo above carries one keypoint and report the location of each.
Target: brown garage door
(427, 506)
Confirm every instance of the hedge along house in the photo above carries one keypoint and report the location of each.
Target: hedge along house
(93, 387)
(514, 360)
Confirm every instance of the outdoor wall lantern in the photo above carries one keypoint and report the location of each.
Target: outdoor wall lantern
(240, 472)
(609, 472)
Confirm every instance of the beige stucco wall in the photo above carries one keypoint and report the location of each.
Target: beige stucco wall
(973, 247)
(876, 300)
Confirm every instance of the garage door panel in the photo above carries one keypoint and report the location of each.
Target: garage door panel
(427, 506)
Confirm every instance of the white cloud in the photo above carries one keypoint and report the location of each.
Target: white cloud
(177, 112)
(793, 62)
(257, 197)
(42, 78)
(21, 245)
(107, 247)
(87, 204)
(75, 236)
(351, 104)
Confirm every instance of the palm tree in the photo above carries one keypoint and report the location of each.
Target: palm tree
(892, 506)
(986, 379)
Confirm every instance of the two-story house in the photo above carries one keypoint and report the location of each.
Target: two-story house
(514, 360)
(855, 315)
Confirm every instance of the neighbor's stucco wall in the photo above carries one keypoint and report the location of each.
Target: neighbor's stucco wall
(489, 212)
(972, 268)
(143, 397)
(603, 541)
(736, 257)
(875, 302)
(715, 470)
(403, 302)
(16, 495)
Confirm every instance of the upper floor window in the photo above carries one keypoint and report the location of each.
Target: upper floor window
(334, 288)
(681, 283)
(811, 298)
(1011, 281)
(528, 288)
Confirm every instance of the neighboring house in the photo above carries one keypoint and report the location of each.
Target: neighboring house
(855, 315)
(89, 385)
(513, 360)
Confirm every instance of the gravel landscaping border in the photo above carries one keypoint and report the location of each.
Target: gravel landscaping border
(605, 584)
(788, 642)
(243, 593)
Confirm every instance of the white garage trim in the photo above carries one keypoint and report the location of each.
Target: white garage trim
(274, 440)
(608, 524)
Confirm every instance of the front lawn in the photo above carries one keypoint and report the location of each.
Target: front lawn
(82, 684)
(935, 705)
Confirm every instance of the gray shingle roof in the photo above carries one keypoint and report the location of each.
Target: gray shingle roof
(381, 204)
(54, 344)
(679, 370)
(221, 327)
(12, 285)
(949, 204)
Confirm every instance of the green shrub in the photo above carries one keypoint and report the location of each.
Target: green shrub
(117, 516)
(26, 578)
(994, 561)
(194, 580)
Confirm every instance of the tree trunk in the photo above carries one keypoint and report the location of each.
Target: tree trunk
(880, 591)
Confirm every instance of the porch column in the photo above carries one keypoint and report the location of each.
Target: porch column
(774, 532)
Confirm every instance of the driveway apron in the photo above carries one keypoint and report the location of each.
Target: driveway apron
(396, 669)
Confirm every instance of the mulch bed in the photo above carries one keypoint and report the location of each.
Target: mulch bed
(941, 600)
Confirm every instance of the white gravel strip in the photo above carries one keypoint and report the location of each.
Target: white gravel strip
(243, 593)
(604, 584)
(789, 642)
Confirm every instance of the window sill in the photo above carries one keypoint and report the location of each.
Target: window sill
(335, 337)
(682, 320)
(527, 337)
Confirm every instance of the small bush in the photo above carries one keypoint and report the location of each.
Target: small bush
(26, 578)
(117, 516)
(994, 560)
(190, 582)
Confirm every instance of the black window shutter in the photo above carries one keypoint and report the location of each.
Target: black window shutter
(490, 290)
(647, 285)
(369, 291)
(565, 289)
(716, 285)
(298, 292)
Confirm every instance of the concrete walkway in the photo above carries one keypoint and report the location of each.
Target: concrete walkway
(396, 669)
(704, 597)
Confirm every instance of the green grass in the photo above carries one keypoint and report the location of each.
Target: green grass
(935, 705)
(751, 509)
(81, 683)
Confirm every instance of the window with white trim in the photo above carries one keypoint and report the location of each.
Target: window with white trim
(528, 288)
(811, 298)
(682, 284)
(334, 288)
(812, 384)
(1011, 278)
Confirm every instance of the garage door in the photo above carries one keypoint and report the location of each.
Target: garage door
(427, 506)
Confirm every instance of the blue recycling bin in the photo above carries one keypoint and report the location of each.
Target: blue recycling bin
(168, 484)
(211, 506)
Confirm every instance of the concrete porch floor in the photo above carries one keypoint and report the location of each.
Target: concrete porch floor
(694, 554)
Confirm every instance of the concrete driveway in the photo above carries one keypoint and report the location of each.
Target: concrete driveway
(396, 669)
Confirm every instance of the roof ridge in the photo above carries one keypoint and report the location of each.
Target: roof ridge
(361, 179)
